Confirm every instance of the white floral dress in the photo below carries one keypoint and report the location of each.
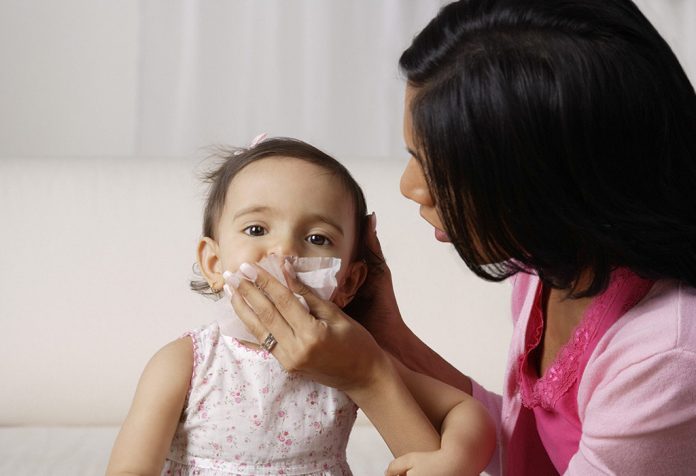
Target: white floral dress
(245, 415)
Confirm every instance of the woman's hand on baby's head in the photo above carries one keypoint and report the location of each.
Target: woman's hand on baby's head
(320, 343)
(374, 305)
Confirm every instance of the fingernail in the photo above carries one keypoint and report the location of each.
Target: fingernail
(228, 290)
(249, 271)
(232, 279)
(373, 222)
(289, 269)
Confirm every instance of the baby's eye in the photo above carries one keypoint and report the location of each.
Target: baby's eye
(319, 240)
(255, 230)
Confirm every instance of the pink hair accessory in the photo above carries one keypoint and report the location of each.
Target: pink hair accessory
(256, 141)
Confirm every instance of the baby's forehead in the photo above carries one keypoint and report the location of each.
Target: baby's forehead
(284, 161)
(275, 177)
(290, 171)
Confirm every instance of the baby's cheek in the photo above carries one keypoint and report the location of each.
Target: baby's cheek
(233, 260)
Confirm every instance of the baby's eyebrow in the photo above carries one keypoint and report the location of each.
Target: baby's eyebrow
(250, 209)
(328, 221)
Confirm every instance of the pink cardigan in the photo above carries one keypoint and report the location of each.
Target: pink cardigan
(636, 397)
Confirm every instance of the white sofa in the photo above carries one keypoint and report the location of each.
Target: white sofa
(96, 257)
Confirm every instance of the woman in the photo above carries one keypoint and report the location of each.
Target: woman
(554, 142)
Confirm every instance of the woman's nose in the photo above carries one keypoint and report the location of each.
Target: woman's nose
(413, 184)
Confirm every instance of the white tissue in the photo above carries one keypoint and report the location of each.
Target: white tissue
(317, 273)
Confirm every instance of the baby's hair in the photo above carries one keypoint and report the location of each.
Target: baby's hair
(232, 161)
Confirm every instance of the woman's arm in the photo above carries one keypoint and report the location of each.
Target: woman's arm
(417, 356)
(146, 434)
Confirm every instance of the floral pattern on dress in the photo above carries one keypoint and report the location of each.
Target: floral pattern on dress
(245, 415)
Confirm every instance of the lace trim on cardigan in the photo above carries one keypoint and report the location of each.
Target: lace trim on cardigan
(566, 370)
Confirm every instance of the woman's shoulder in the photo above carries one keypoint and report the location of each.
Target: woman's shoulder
(636, 396)
(664, 320)
(656, 337)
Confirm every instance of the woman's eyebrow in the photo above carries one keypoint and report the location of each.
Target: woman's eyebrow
(415, 156)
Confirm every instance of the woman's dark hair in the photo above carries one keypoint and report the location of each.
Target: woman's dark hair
(234, 160)
(557, 136)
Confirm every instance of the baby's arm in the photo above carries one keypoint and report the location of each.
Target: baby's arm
(147, 432)
(468, 433)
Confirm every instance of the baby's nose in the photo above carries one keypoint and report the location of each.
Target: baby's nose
(285, 248)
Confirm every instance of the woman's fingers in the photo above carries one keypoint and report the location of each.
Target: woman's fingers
(275, 306)
(374, 255)
(324, 347)
(248, 317)
(258, 326)
(282, 298)
(317, 306)
(259, 314)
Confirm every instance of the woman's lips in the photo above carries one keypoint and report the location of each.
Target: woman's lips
(442, 236)
(439, 234)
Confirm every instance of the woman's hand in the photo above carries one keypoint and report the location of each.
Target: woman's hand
(374, 306)
(321, 343)
(331, 348)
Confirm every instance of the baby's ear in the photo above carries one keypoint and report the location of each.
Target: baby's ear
(208, 258)
(355, 277)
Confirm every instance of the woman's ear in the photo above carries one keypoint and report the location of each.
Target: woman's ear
(208, 258)
(355, 277)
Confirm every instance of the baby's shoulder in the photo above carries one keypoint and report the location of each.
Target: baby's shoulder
(176, 356)
(177, 350)
(167, 374)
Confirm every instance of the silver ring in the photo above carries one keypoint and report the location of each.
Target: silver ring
(269, 342)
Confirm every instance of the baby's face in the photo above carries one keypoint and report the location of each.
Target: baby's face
(286, 207)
